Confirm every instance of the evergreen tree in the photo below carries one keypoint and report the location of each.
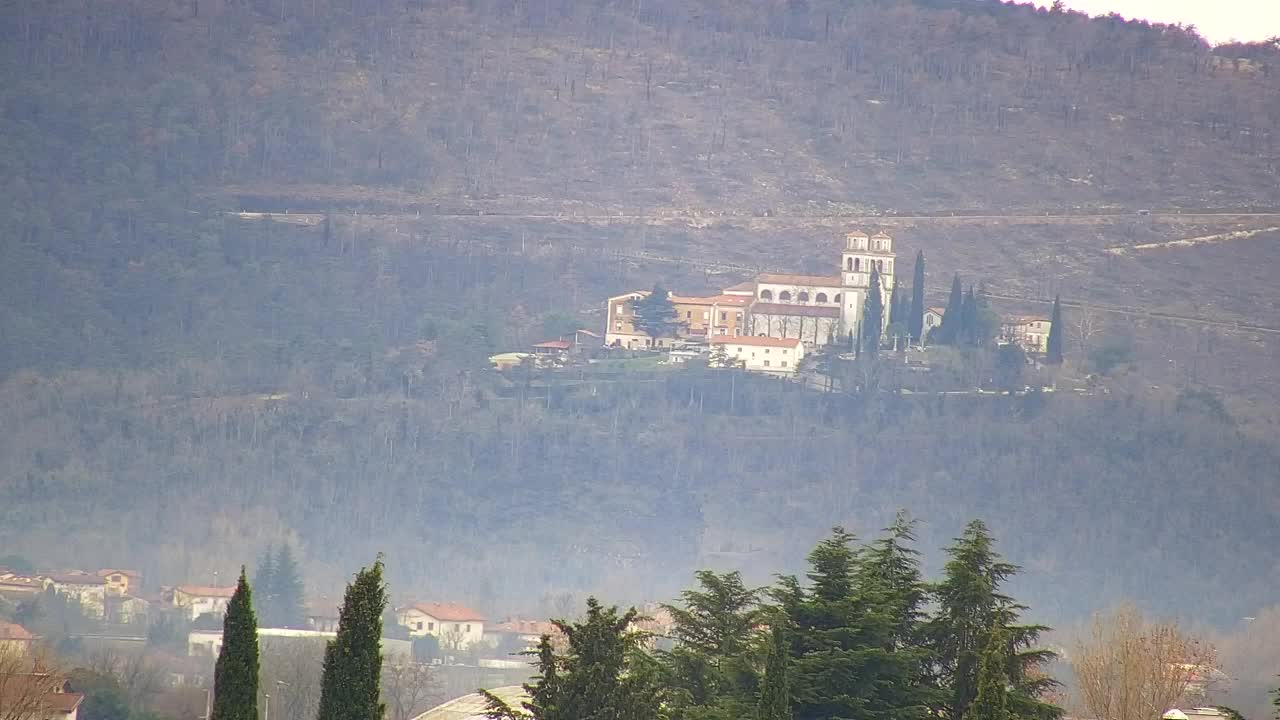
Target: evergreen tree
(1276, 701)
(970, 607)
(1053, 349)
(948, 332)
(969, 332)
(655, 314)
(235, 675)
(353, 660)
(287, 591)
(603, 673)
(264, 580)
(872, 314)
(915, 320)
(992, 700)
(775, 689)
(709, 671)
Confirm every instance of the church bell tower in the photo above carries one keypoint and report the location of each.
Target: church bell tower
(861, 254)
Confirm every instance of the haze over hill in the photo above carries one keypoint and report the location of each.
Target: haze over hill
(175, 370)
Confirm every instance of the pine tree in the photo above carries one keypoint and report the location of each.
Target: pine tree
(915, 320)
(775, 688)
(287, 591)
(992, 700)
(970, 607)
(264, 580)
(353, 660)
(948, 332)
(709, 671)
(872, 314)
(969, 332)
(235, 675)
(1053, 349)
(655, 314)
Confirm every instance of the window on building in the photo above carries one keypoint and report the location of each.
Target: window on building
(785, 296)
(849, 264)
(822, 297)
(766, 294)
(724, 317)
(784, 363)
(738, 317)
(766, 363)
(804, 297)
(688, 314)
(857, 264)
(457, 627)
(431, 626)
(706, 315)
(836, 299)
(468, 627)
(419, 625)
(618, 326)
(880, 266)
(766, 351)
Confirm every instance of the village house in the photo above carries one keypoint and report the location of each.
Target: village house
(121, 582)
(1031, 332)
(778, 356)
(208, 643)
(322, 615)
(932, 319)
(815, 309)
(515, 636)
(455, 626)
(16, 587)
(197, 600)
(15, 638)
(88, 589)
(126, 609)
(38, 696)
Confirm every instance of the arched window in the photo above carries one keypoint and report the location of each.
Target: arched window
(849, 263)
(857, 264)
(822, 297)
(880, 266)
(836, 300)
(803, 297)
(766, 294)
(785, 296)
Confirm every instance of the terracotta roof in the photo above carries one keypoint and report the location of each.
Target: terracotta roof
(555, 345)
(206, 591)
(12, 631)
(711, 300)
(49, 689)
(754, 341)
(764, 308)
(126, 573)
(799, 280)
(77, 578)
(18, 582)
(745, 286)
(64, 703)
(452, 612)
(856, 233)
(525, 627)
(937, 310)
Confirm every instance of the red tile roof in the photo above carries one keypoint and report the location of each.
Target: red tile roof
(937, 310)
(206, 591)
(525, 627)
(754, 341)
(747, 286)
(64, 703)
(799, 280)
(11, 631)
(711, 300)
(127, 573)
(452, 612)
(555, 345)
(77, 577)
(764, 308)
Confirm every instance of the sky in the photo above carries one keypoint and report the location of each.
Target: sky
(1218, 21)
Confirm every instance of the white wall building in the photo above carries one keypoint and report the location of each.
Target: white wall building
(778, 356)
(197, 600)
(455, 626)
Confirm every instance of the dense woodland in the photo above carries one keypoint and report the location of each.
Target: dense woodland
(180, 388)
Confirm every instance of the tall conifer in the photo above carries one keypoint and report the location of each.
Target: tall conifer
(1053, 349)
(872, 314)
(287, 590)
(948, 333)
(992, 700)
(264, 583)
(353, 660)
(775, 688)
(915, 321)
(235, 675)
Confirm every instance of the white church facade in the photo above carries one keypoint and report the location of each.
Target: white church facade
(813, 309)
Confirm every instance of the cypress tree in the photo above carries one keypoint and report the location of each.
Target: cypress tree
(353, 660)
(235, 675)
(1053, 349)
(915, 320)
(264, 579)
(872, 314)
(948, 333)
(992, 700)
(287, 591)
(775, 689)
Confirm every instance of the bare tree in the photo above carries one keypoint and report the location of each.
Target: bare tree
(408, 688)
(26, 684)
(1130, 668)
(290, 672)
(1087, 325)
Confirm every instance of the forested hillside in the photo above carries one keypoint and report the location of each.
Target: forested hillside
(180, 386)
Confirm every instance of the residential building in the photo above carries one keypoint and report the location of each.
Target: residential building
(1031, 332)
(514, 636)
(455, 626)
(197, 600)
(16, 587)
(208, 643)
(778, 356)
(127, 609)
(38, 696)
(322, 615)
(121, 582)
(932, 319)
(815, 309)
(14, 637)
(89, 589)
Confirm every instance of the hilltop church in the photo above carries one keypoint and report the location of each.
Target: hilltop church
(815, 309)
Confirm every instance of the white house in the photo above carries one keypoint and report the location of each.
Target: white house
(88, 589)
(779, 356)
(208, 643)
(455, 626)
(932, 319)
(1029, 331)
(199, 600)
